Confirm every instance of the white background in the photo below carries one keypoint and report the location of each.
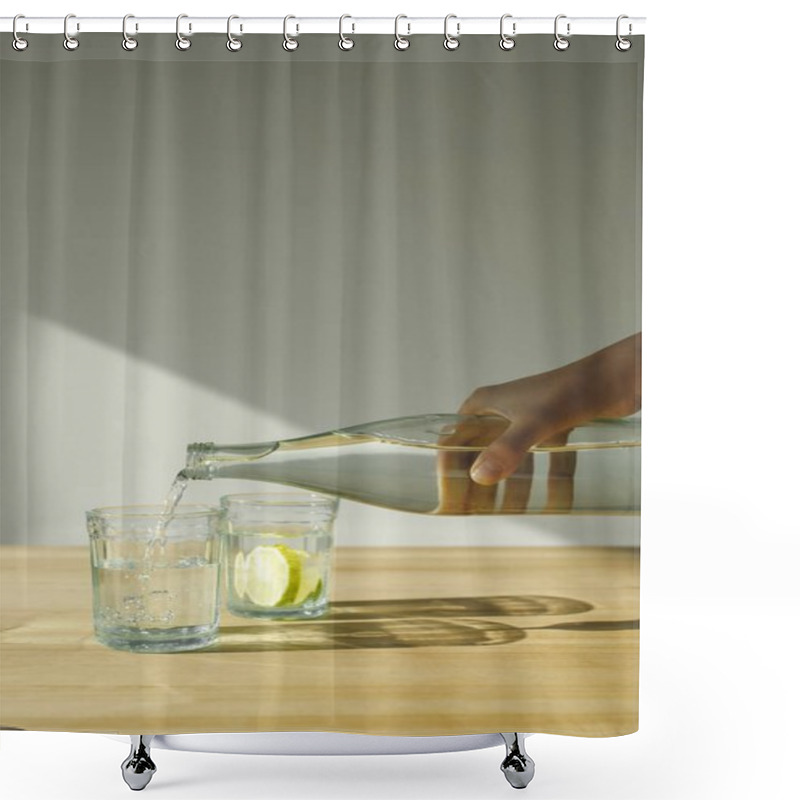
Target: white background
(719, 686)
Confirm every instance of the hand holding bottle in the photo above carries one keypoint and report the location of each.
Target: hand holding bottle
(541, 410)
(453, 464)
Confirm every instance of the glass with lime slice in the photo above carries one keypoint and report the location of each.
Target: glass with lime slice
(278, 553)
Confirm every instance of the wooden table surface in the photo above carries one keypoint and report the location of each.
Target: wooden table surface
(418, 642)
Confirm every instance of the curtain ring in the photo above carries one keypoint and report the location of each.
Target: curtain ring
(70, 42)
(401, 42)
(507, 42)
(623, 44)
(451, 42)
(182, 43)
(345, 43)
(18, 43)
(128, 42)
(560, 42)
(290, 43)
(233, 44)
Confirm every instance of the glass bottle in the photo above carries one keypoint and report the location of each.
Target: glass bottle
(421, 464)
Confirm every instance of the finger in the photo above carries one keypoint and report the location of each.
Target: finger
(561, 475)
(503, 455)
(454, 481)
(458, 493)
(518, 487)
(456, 488)
(561, 482)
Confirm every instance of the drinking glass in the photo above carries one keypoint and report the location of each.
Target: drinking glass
(277, 549)
(155, 577)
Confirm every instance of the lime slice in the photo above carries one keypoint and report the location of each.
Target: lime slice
(273, 575)
(310, 586)
(240, 567)
(316, 594)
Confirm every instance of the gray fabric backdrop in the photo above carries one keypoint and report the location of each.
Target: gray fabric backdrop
(248, 246)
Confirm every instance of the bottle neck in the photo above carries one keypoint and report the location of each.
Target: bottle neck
(203, 458)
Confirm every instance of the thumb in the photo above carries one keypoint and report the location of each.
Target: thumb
(503, 455)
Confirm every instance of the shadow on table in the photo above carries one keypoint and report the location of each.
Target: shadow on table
(423, 622)
(334, 635)
(491, 606)
(596, 625)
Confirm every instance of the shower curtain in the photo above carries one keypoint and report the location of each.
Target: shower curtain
(251, 245)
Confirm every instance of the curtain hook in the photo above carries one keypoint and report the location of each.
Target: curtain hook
(70, 42)
(18, 43)
(128, 42)
(560, 42)
(507, 42)
(233, 44)
(345, 43)
(182, 43)
(401, 42)
(451, 42)
(290, 43)
(623, 44)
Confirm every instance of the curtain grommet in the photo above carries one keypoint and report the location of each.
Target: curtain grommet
(401, 42)
(622, 44)
(290, 43)
(560, 43)
(507, 42)
(451, 42)
(17, 42)
(234, 44)
(345, 42)
(70, 42)
(129, 42)
(182, 42)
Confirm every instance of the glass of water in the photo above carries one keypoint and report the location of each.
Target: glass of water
(278, 552)
(155, 577)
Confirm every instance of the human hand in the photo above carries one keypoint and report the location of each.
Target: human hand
(541, 411)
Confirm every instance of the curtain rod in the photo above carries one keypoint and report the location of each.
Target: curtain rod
(406, 26)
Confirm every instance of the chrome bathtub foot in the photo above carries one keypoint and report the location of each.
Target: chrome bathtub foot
(517, 766)
(138, 768)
